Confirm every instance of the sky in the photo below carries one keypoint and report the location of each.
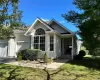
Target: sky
(47, 9)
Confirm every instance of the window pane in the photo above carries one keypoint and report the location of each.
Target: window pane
(51, 47)
(42, 47)
(40, 31)
(35, 46)
(42, 39)
(36, 39)
(51, 39)
(51, 43)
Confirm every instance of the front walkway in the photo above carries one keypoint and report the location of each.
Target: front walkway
(34, 64)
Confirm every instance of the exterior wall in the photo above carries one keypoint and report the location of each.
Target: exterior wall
(51, 54)
(58, 46)
(22, 37)
(40, 25)
(21, 42)
(3, 48)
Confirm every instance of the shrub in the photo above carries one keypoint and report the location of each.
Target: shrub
(19, 56)
(30, 54)
(46, 57)
(80, 55)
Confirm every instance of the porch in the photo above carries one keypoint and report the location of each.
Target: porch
(68, 47)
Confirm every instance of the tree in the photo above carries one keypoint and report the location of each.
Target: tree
(88, 22)
(10, 17)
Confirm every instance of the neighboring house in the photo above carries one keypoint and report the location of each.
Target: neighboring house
(49, 36)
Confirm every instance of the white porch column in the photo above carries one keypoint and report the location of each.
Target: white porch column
(11, 48)
(72, 53)
(32, 39)
(47, 42)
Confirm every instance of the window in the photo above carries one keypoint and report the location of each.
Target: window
(39, 39)
(42, 43)
(40, 31)
(36, 42)
(51, 42)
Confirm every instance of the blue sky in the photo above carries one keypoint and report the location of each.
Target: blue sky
(46, 9)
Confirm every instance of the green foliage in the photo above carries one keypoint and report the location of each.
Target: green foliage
(82, 53)
(88, 22)
(30, 54)
(46, 57)
(6, 32)
(80, 56)
(10, 17)
(19, 56)
(83, 48)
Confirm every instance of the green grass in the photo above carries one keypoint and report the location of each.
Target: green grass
(87, 69)
(9, 72)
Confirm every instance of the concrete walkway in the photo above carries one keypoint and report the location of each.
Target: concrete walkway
(54, 65)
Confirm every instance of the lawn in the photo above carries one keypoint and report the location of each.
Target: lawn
(87, 69)
(9, 72)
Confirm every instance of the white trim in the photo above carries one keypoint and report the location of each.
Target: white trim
(22, 41)
(61, 26)
(38, 19)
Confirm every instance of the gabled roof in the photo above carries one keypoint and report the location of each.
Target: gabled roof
(53, 20)
(48, 25)
(40, 20)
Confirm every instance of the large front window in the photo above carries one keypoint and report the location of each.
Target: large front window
(39, 39)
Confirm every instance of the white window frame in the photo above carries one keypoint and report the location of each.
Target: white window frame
(39, 41)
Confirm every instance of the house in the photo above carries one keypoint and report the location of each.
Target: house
(49, 36)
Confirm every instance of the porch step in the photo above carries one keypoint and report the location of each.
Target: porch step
(65, 57)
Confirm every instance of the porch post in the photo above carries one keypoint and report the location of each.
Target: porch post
(47, 42)
(11, 48)
(32, 39)
(72, 48)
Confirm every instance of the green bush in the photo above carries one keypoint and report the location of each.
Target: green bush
(46, 57)
(30, 54)
(19, 56)
(80, 55)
